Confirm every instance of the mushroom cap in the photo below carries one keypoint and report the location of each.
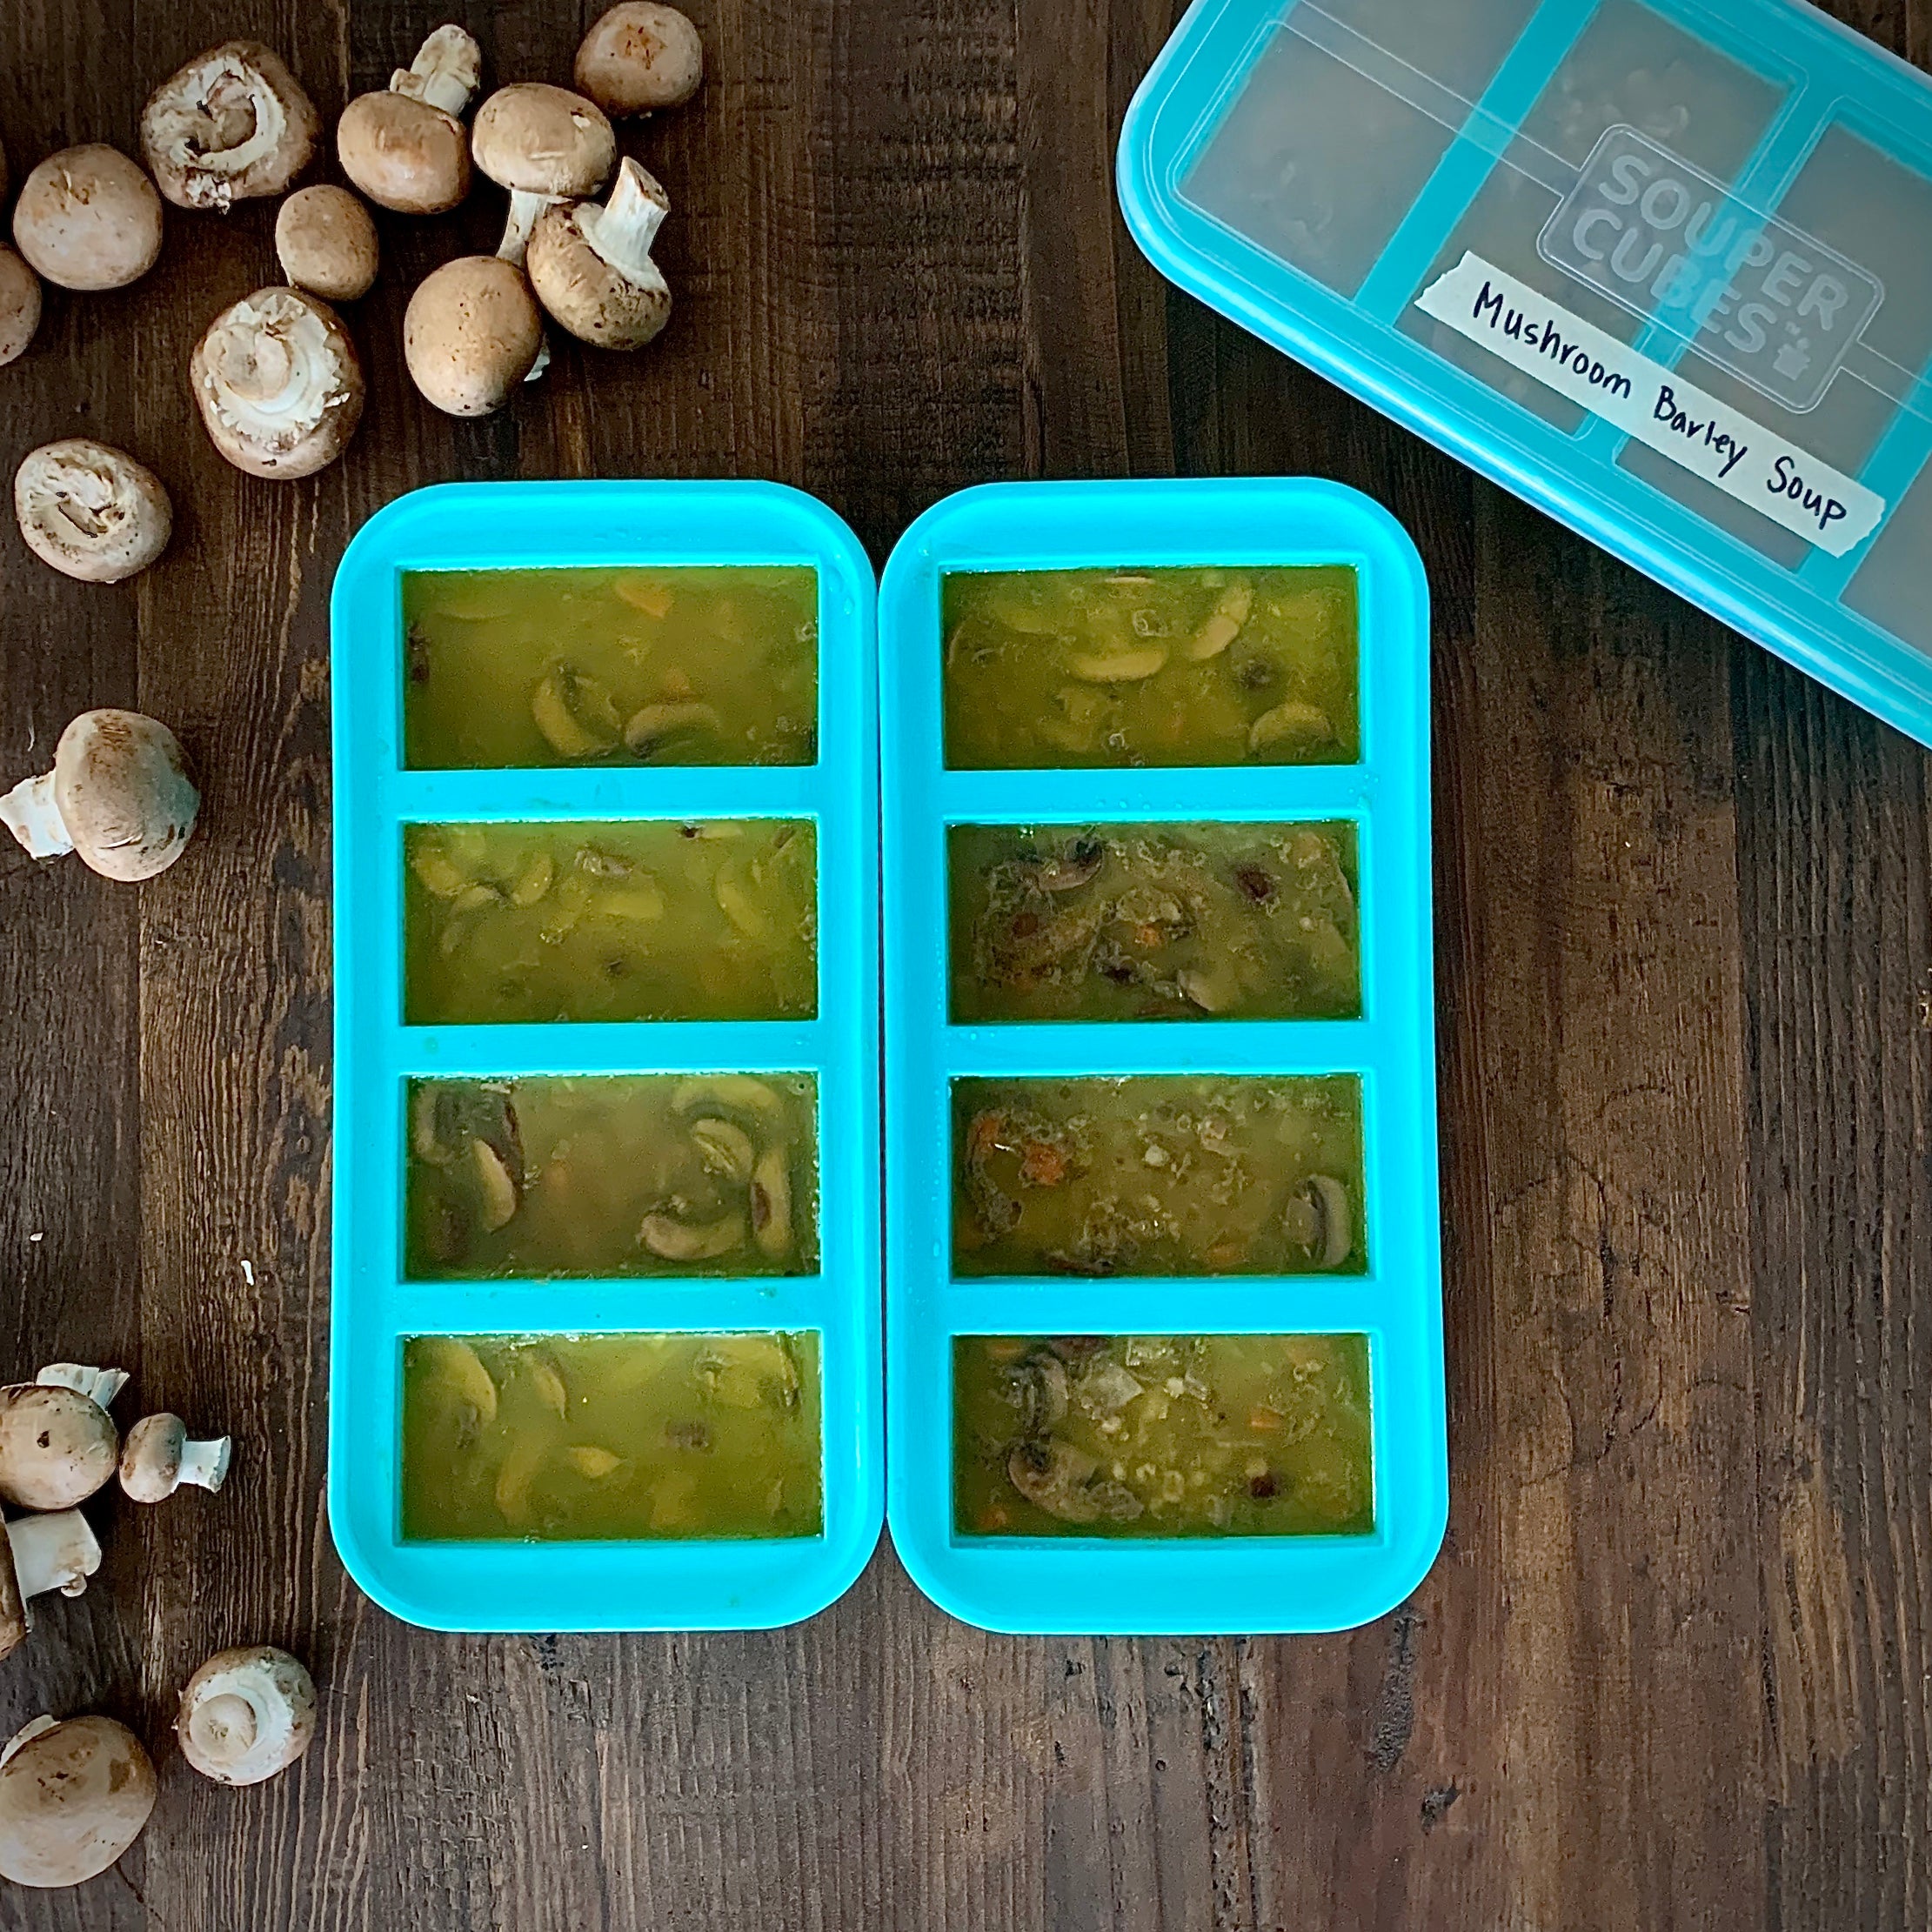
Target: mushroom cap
(13, 1605)
(89, 510)
(471, 333)
(87, 218)
(246, 1713)
(403, 153)
(231, 125)
(151, 1458)
(57, 1447)
(122, 790)
(73, 1797)
(278, 383)
(595, 302)
(638, 56)
(325, 241)
(542, 140)
(19, 304)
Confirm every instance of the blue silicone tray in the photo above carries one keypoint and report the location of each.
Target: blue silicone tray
(599, 1586)
(1039, 1584)
(1663, 270)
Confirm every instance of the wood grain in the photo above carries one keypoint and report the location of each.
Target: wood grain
(1671, 1670)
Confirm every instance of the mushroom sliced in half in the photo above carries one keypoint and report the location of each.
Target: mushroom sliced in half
(159, 1456)
(99, 1386)
(119, 795)
(591, 266)
(19, 304)
(1320, 1222)
(543, 143)
(326, 243)
(90, 511)
(471, 333)
(231, 125)
(39, 1555)
(246, 1713)
(405, 147)
(57, 1447)
(278, 383)
(640, 56)
(87, 218)
(73, 1797)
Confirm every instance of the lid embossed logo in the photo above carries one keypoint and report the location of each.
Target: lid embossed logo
(1664, 240)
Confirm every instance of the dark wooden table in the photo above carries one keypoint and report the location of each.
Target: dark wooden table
(1672, 1669)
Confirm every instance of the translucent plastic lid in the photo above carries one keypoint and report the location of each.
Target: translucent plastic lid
(1665, 269)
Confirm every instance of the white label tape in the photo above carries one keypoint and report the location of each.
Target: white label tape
(1658, 406)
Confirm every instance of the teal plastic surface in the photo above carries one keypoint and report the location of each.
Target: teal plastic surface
(599, 1586)
(1079, 1584)
(1664, 269)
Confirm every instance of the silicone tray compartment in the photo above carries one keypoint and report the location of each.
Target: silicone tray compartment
(1731, 199)
(607, 1585)
(1071, 1585)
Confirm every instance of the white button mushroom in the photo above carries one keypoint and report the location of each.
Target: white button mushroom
(278, 383)
(231, 125)
(246, 1713)
(38, 1554)
(119, 795)
(57, 1447)
(405, 147)
(159, 1456)
(543, 143)
(99, 1386)
(471, 333)
(591, 266)
(73, 1797)
(19, 304)
(638, 57)
(90, 511)
(87, 218)
(326, 243)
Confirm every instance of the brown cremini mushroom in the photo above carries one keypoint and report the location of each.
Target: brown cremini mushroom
(231, 125)
(326, 243)
(57, 1447)
(471, 333)
(54, 1551)
(87, 218)
(543, 143)
(73, 1797)
(278, 383)
(405, 146)
(19, 305)
(591, 268)
(90, 511)
(159, 1456)
(246, 1715)
(119, 795)
(640, 56)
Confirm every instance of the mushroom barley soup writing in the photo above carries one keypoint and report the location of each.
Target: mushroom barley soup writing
(1159, 1175)
(592, 1176)
(1161, 1435)
(674, 666)
(558, 1437)
(633, 919)
(1154, 922)
(1168, 668)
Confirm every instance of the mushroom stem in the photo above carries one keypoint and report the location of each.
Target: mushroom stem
(205, 1464)
(524, 207)
(57, 1552)
(620, 233)
(29, 813)
(445, 73)
(99, 1386)
(223, 1729)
